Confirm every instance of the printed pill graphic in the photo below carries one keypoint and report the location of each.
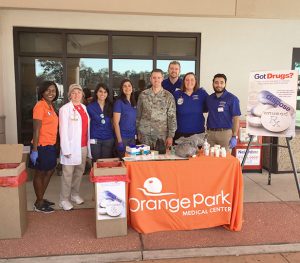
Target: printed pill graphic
(102, 211)
(254, 121)
(114, 209)
(258, 109)
(110, 204)
(267, 97)
(105, 202)
(276, 120)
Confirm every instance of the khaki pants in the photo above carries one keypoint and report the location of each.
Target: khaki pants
(219, 137)
(71, 177)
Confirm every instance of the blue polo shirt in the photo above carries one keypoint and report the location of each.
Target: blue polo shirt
(221, 110)
(127, 119)
(189, 111)
(169, 86)
(100, 128)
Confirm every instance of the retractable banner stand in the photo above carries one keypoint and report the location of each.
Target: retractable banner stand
(271, 109)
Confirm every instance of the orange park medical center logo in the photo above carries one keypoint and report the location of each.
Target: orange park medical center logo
(153, 198)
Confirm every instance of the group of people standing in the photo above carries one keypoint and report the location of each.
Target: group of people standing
(175, 107)
(98, 130)
(168, 110)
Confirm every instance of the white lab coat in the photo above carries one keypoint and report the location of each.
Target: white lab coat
(70, 129)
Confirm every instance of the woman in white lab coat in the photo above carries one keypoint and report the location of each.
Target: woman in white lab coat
(74, 142)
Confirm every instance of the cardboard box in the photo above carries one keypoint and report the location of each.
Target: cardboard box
(11, 169)
(108, 167)
(10, 155)
(13, 211)
(111, 199)
(115, 226)
(13, 201)
(111, 228)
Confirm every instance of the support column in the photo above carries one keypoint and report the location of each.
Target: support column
(2, 129)
(2, 116)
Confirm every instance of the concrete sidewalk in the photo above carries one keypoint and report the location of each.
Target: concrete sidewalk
(272, 225)
(261, 258)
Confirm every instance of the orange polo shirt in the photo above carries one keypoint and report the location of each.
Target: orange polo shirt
(44, 112)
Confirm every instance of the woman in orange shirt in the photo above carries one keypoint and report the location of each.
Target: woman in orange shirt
(43, 152)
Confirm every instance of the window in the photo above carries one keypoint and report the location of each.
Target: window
(41, 43)
(128, 46)
(130, 69)
(87, 44)
(87, 72)
(176, 47)
(33, 71)
(88, 57)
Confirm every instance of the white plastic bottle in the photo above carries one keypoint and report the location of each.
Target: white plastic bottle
(223, 152)
(205, 144)
(217, 152)
(206, 147)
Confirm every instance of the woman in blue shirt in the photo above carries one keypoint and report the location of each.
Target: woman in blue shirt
(190, 105)
(124, 117)
(101, 129)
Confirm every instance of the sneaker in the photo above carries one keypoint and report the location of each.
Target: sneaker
(66, 205)
(43, 208)
(77, 199)
(48, 203)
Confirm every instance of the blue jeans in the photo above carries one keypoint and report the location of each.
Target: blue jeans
(102, 149)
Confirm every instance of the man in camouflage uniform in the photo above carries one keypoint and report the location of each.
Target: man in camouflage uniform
(156, 113)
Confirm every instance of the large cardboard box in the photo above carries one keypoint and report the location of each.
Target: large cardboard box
(13, 201)
(109, 167)
(111, 199)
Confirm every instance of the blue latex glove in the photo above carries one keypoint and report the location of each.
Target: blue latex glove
(232, 142)
(33, 156)
(121, 147)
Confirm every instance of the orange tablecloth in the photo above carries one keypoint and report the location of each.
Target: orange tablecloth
(198, 193)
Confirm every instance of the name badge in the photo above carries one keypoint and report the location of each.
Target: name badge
(220, 109)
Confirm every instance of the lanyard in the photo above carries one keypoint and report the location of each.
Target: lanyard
(74, 115)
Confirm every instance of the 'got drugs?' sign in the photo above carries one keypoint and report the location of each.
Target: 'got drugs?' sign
(271, 108)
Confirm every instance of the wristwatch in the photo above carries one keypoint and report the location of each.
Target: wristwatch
(235, 136)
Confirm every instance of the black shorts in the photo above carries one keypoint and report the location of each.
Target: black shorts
(46, 160)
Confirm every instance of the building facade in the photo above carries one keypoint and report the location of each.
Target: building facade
(234, 37)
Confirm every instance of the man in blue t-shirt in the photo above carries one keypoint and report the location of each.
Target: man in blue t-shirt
(223, 114)
(173, 82)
